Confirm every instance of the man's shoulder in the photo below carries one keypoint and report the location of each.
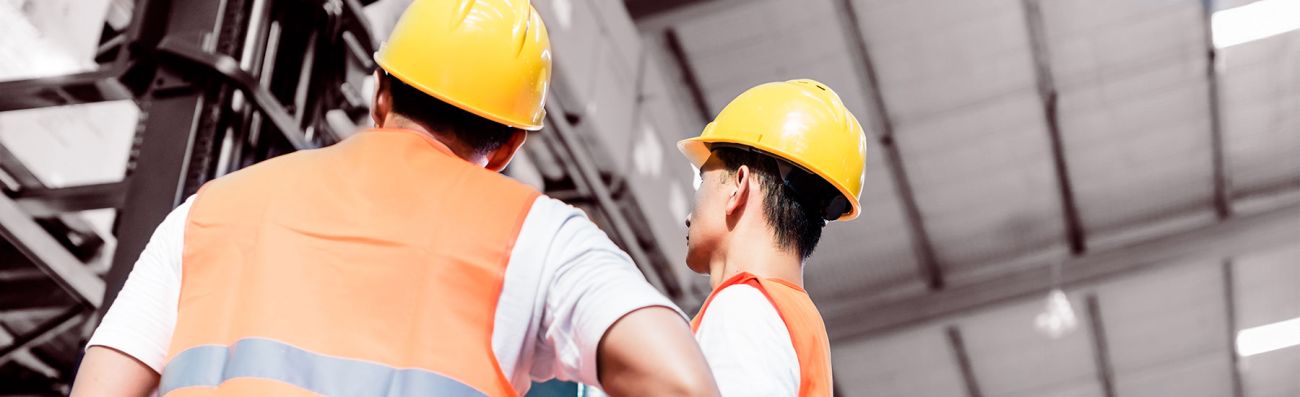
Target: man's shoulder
(554, 213)
(743, 300)
(263, 172)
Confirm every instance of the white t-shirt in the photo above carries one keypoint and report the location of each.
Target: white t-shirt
(566, 283)
(747, 345)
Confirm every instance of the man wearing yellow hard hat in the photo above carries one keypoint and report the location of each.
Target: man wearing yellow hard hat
(398, 262)
(779, 161)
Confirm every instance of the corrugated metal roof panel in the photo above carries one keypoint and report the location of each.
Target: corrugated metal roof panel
(983, 181)
(1004, 347)
(1260, 94)
(1168, 324)
(1267, 287)
(917, 362)
(1133, 111)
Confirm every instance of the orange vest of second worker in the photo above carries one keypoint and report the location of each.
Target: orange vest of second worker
(369, 268)
(804, 322)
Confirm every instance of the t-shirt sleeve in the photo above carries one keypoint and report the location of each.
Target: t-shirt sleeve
(141, 320)
(747, 345)
(593, 284)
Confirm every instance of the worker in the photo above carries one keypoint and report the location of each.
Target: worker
(398, 261)
(777, 163)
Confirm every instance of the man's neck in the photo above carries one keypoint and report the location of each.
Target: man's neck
(756, 253)
(398, 122)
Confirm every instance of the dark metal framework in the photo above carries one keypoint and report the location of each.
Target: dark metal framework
(220, 85)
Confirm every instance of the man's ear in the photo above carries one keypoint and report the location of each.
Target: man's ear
(382, 103)
(500, 158)
(740, 190)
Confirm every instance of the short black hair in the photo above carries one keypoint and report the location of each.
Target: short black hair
(795, 216)
(478, 133)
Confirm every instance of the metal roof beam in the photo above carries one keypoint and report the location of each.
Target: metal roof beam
(1100, 347)
(958, 346)
(855, 318)
(674, 44)
(1222, 186)
(1230, 305)
(638, 9)
(928, 264)
(1074, 232)
(669, 17)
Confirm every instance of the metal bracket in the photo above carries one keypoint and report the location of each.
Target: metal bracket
(228, 68)
(93, 86)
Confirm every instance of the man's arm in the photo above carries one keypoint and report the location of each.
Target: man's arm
(108, 372)
(126, 353)
(602, 323)
(650, 352)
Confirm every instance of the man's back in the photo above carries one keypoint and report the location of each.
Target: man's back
(357, 254)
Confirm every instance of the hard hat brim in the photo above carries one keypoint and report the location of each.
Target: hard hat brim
(697, 151)
(526, 126)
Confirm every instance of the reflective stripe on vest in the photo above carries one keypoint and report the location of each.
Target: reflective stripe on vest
(371, 267)
(209, 366)
(802, 320)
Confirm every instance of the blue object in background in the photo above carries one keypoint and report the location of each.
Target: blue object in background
(553, 388)
(557, 388)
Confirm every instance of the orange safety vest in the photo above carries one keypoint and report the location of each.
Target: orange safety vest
(368, 268)
(801, 318)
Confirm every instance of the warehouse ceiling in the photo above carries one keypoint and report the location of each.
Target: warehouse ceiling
(1011, 136)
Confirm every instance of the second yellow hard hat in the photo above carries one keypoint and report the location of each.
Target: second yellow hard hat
(800, 121)
(489, 57)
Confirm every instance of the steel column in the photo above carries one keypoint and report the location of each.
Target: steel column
(177, 140)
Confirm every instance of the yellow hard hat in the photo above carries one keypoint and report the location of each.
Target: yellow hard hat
(800, 121)
(488, 57)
